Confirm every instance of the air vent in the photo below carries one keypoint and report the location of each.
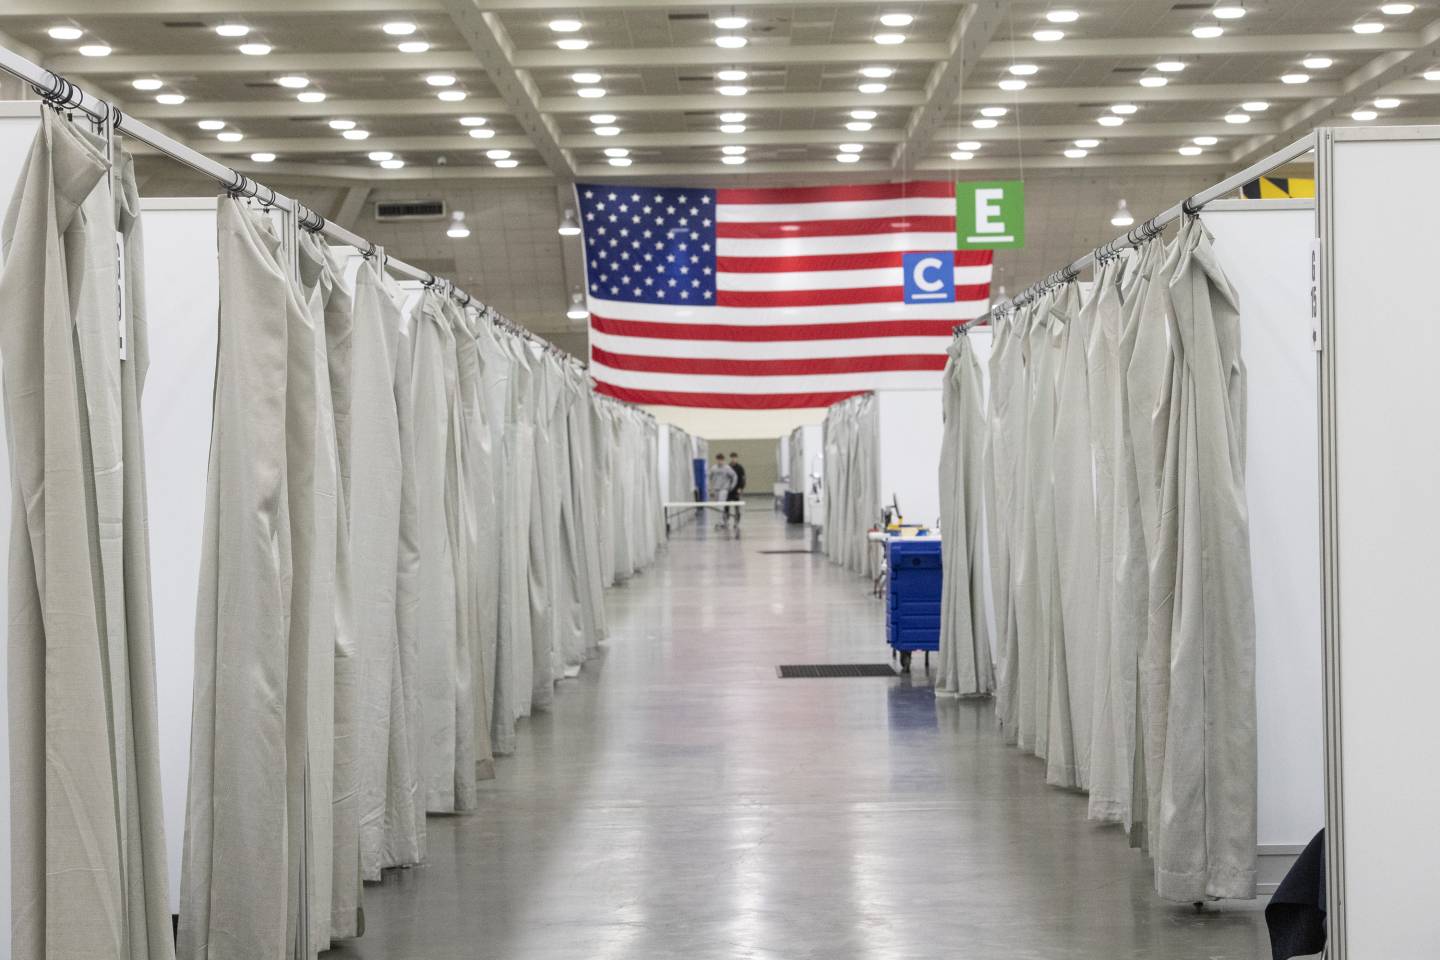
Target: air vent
(186, 24)
(1129, 69)
(1185, 7)
(689, 16)
(696, 78)
(410, 210)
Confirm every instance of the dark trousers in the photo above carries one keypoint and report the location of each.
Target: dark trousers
(733, 495)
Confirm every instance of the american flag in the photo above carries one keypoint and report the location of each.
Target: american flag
(768, 298)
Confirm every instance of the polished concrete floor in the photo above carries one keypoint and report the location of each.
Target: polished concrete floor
(681, 802)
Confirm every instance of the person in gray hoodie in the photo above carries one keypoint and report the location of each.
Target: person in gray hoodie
(719, 481)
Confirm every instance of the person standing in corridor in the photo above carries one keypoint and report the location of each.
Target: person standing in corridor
(720, 482)
(737, 491)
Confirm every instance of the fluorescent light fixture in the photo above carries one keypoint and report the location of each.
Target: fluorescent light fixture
(440, 80)
(1432, 75)
(862, 114)
(858, 126)
(451, 96)
(732, 151)
(310, 96)
(889, 39)
(852, 148)
(730, 116)
(962, 155)
(232, 29)
(577, 309)
(1228, 11)
(616, 152)
(731, 76)
(473, 121)
(620, 161)
(1153, 81)
(984, 123)
(730, 23)
(293, 83)
(497, 154)
(378, 155)
(1205, 141)
(170, 99)
(1368, 26)
(1316, 63)
(732, 90)
(993, 111)
(1190, 151)
(590, 93)
(1123, 109)
(457, 229)
(569, 226)
(896, 19)
(1062, 16)
(1087, 143)
(847, 157)
(94, 50)
(1255, 106)
(263, 157)
(585, 78)
(730, 41)
(603, 119)
(1294, 78)
(877, 73)
(482, 133)
(1207, 32)
(733, 161)
(147, 83)
(1237, 118)
(1012, 86)
(1122, 216)
(399, 28)
(1387, 103)
(355, 134)
(211, 124)
(732, 128)
(1364, 116)
(968, 145)
(65, 33)
(1110, 121)
(872, 87)
(412, 46)
(255, 49)
(565, 26)
(1075, 153)
(1170, 66)
(394, 163)
(229, 136)
(342, 124)
(507, 164)
(1397, 9)
(1048, 36)
(1024, 69)
(607, 131)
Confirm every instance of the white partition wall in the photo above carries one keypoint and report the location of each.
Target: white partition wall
(911, 428)
(183, 300)
(1380, 445)
(1264, 247)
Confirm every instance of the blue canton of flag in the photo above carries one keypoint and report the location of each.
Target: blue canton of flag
(649, 245)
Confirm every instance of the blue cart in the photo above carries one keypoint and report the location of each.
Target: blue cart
(912, 604)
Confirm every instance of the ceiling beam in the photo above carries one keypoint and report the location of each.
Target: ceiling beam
(719, 103)
(750, 138)
(1180, 132)
(712, 56)
(1233, 93)
(526, 6)
(1096, 161)
(946, 83)
(208, 8)
(146, 65)
(288, 109)
(491, 44)
(1231, 45)
(293, 146)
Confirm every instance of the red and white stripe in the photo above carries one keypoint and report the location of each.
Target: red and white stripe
(809, 304)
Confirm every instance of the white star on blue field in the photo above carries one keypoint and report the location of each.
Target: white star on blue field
(649, 245)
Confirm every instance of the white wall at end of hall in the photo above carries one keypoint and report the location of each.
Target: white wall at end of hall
(737, 424)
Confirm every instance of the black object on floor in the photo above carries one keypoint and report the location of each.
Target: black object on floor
(1296, 912)
(803, 550)
(805, 671)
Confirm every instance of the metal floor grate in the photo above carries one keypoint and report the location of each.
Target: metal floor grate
(799, 550)
(801, 671)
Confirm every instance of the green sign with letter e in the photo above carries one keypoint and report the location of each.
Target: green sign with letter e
(990, 215)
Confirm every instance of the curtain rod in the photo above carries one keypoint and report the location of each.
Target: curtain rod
(61, 93)
(1152, 227)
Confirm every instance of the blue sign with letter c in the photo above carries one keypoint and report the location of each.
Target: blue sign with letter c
(930, 277)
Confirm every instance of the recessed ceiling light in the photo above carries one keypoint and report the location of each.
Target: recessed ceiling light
(896, 19)
(889, 39)
(412, 46)
(962, 155)
(230, 136)
(1364, 116)
(1255, 106)
(394, 163)
(590, 93)
(147, 83)
(616, 152)
(95, 50)
(399, 28)
(263, 157)
(310, 96)
(565, 26)
(1368, 26)
(355, 134)
(875, 87)
(732, 90)
(1190, 151)
(730, 116)
(293, 83)
(607, 131)
(877, 73)
(1170, 66)
(1293, 78)
(497, 154)
(859, 126)
(211, 124)
(732, 161)
(1153, 81)
(1087, 143)
(342, 124)
(730, 41)
(730, 23)
(1075, 153)
(1048, 36)
(1316, 63)
(1432, 75)
(732, 128)
(170, 99)
(378, 155)
(1237, 118)
(732, 151)
(852, 147)
(1062, 16)
(1123, 109)
(1208, 32)
(255, 49)
(731, 76)
(968, 145)
(585, 78)
(1387, 103)
(1228, 11)
(862, 114)
(232, 29)
(440, 80)
(847, 157)
(620, 161)
(984, 123)
(1110, 121)
(1205, 141)
(507, 164)
(1397, 9)
(482, 133)
(602, 118)
(994, 111)
(65, 33)
(451, 96)
(1012, 85)
(473, 121)
(1024, 69)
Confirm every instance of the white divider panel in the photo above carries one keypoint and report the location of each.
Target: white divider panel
(911, 429)
(663, 456)
(1264, 246)
(183, 299)
(1381, 445)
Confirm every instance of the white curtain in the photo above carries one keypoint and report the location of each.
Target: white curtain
(852, 482)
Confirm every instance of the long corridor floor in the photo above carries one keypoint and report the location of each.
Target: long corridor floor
(682, 802)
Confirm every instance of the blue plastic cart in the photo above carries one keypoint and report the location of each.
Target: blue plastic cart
(912, 604)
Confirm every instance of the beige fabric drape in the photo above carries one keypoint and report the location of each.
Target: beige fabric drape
(1005, 507)
(544, 540)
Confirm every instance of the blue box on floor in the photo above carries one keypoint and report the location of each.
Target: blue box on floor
(912, 609)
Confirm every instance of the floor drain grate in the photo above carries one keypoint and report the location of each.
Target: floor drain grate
(793, 671)
(808, 553)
